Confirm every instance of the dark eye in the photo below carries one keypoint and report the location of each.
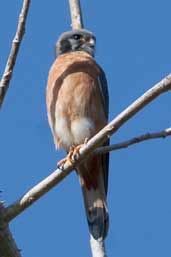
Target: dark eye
(76, 36)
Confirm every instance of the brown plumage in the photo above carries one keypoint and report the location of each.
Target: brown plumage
(75, 106)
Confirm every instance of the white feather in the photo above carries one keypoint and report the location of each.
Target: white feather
(81, 129)
(63, 132)
(74, 133)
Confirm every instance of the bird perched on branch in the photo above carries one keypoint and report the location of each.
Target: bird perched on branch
(77, 106)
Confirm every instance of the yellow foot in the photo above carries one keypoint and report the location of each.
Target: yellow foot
(72, 155)
(68, 158)
(76, 150)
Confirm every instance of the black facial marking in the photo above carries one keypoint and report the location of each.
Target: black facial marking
(76, 40)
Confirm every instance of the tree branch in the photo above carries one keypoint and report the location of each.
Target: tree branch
(76, 15)
(163, 86)
(97, 248)
(58, 175)
(6, 78)
(162, 134)
(8, 247)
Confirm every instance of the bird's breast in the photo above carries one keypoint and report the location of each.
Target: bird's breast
(74, 118)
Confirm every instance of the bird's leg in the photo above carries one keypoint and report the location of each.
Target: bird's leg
(68, 158)
(76, 150)
(72, 155)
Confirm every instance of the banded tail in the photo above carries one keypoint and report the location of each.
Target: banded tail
(93, 179)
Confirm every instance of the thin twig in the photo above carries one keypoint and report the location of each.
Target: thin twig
(44, 186)
(6, 78)
(162, 134)
(8, 247)
(76, 14)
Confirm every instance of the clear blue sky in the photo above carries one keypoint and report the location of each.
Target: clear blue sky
(133, 47)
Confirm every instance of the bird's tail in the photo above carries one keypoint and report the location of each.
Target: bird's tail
(91, 174)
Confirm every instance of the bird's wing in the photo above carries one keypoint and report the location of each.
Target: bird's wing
(104, 91)
(53, 86)
(105, 100)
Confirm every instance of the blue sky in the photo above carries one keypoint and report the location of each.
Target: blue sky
(133, 47)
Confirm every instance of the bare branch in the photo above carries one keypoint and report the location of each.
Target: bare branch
(6, 78)
(44, 186)
(97, 248)
(161, 87)
(36, 192)
(162, 134)
(76, 15)
(8, 246)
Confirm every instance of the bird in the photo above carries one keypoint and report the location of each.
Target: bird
(77, 102)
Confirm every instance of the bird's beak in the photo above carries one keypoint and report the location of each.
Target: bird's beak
(91, 42)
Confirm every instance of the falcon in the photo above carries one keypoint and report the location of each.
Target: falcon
(77, 107)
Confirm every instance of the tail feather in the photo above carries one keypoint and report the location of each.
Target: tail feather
(97, 213)
(94, 194)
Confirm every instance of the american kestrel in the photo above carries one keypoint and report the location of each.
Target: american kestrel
(77, 106)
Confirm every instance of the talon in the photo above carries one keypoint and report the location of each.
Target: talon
(68, 158)
(76, 151)
(62, 162)
(72, 155)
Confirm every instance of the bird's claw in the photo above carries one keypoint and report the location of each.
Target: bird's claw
(73, 155)
(68, 158)
(76, 150)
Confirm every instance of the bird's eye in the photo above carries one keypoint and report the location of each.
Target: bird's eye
(76, 36)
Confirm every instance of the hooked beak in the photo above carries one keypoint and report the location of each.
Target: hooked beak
(91, 42)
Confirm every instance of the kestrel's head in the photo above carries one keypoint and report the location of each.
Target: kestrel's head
(76, 40)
